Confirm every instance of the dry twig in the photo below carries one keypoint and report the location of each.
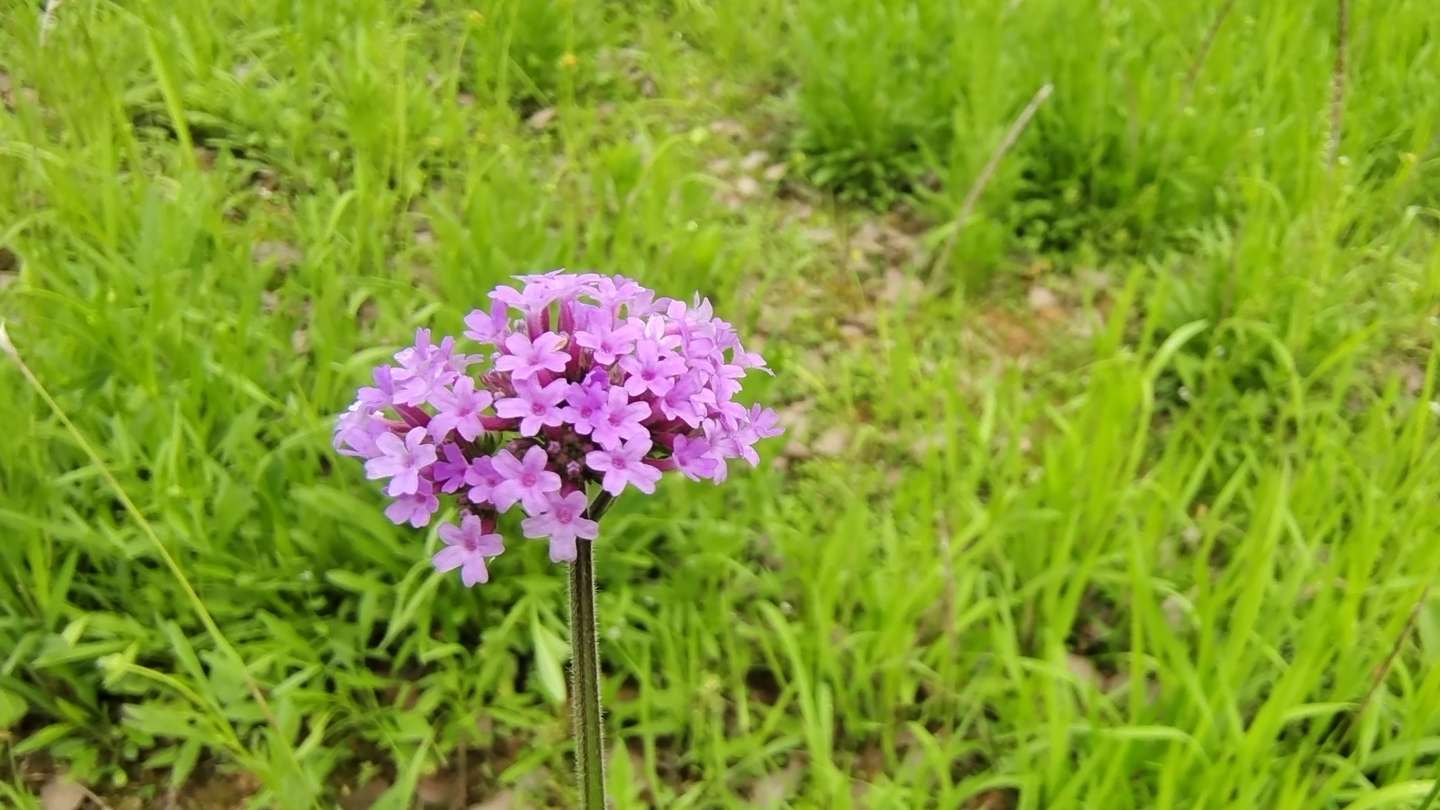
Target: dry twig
(1337, 82)
(967, 206)
(1193, 74)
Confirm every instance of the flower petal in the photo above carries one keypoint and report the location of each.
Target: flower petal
(474, 571)
(562, 549)
(449, 558)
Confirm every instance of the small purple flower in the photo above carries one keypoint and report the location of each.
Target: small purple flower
(424, 368)
(725, 336)
(621, 420)
(726, 410)
(586, 375)
(694, 460)
(746, 359)
(736, 436)
(614, 292)
(466, 547)
(731, 443)
(657, 328)
(700, 311)
(488, 327)
(562, 520)
(764, 422)
(415, 508)
(526, 481)
(450, 473)
(382, 394)
(696, 347)
(482, 478)
(525, 358)
(624, 465)
(606, 341)
(534, 406)
(727, 380)
(584, 403)
(459, 409)
(542, 289)
(401, 460)
(530, 299)
(684, 401)
(357, 430)
(650, 370)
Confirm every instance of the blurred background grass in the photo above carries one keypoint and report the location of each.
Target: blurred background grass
(1114, 486)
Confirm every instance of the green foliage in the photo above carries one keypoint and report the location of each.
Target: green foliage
(1163, 116)
(1163, 541)
(874, 93)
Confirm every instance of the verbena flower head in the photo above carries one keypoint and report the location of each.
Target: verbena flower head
(580, 383)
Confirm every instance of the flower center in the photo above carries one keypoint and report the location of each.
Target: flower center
(471, 544)
(564, 515)
(537, 408)
(528, 479)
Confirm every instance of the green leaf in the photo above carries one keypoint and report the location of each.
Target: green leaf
(436, 652)
(185, 759)
(43, 738)
(161, 719)
(401, 794)
(352, 581)
(406, 610)
(12, 708)
(548, 650)
(65, 654)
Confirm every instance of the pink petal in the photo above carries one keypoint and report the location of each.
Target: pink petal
(507, 465)
(537, 526)
(449, 558)
(451, 534)
(491, 545)
(405, 482)
(598, 460)
(562, 549)
(474, 571)
(614, 482)
(535, 459)
(397, 512)
(382, 467)
(587, 529)
(644, 478)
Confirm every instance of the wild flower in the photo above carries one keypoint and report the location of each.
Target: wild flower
(578, 382)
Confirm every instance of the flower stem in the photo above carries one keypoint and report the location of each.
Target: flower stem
(585, 670)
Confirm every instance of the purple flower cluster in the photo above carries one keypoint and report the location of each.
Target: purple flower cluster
(581, 379)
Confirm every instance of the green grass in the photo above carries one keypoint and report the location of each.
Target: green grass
(1132, 502)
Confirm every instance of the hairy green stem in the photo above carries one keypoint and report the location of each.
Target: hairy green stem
(585, 670)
